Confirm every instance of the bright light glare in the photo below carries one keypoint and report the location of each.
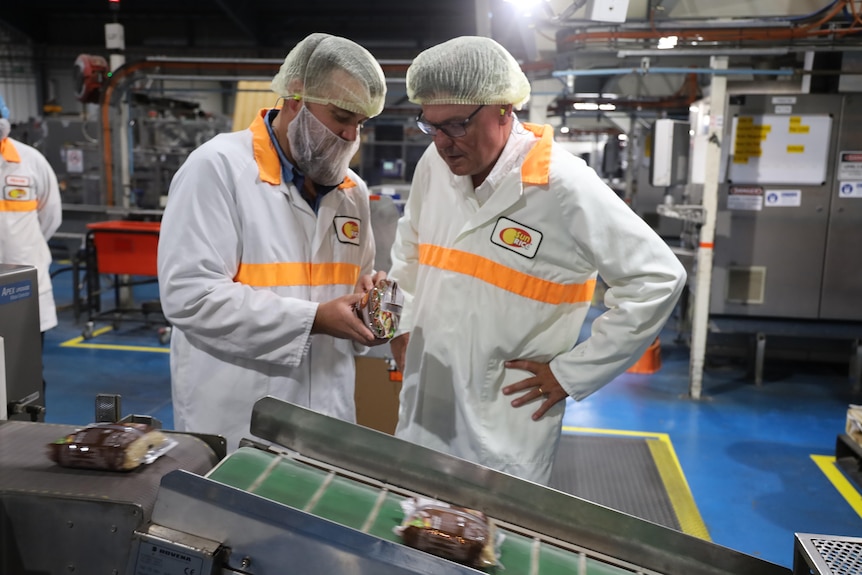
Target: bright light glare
(667, 42)
(525, 4)
(525, 7)
(607, 107)
(588, 106)
(564, 130)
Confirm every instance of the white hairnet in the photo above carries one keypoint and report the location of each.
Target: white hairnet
(467, 70)
(329, 69)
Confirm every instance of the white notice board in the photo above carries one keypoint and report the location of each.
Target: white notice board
(779, 149)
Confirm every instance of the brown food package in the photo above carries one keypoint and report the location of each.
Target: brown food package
(106, 446)
(454, 533)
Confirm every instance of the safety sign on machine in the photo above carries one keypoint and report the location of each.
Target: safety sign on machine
(850, 190)
(784, 198)
(850, 166)
(749, 198)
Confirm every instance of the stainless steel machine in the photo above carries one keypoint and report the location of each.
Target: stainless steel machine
(58, 520)
(317, 495)
(21, 393)
(790, 203)
(790, 209)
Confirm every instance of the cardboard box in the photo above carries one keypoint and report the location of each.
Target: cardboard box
(853, 427)
(376, 395)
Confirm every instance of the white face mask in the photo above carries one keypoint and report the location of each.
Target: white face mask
(5, 128)
(319, 152)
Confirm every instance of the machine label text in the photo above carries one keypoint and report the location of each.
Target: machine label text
(16, 291)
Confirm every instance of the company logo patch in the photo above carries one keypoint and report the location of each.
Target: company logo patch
(516, 237)
(17, 181)
(348, 229)
(17, 193)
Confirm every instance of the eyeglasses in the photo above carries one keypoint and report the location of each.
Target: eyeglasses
(451, 129)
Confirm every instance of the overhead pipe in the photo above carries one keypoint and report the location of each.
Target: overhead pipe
(672, 70)
(705, 51)
(682, 98)
(735, 34)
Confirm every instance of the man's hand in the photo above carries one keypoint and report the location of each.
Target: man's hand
(338, 319)
(368, 281)
(398, 346)
(543, 385)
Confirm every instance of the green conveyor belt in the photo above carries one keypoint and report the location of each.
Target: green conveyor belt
(350, 502)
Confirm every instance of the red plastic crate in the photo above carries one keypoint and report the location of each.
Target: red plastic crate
(126, 247)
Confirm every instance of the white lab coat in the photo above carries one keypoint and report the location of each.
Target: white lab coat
(30, 212)
(513, 279)
(243, 262)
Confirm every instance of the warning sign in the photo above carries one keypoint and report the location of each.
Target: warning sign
(748, 198)
(850, 166)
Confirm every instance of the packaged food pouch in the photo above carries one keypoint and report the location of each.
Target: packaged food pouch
(380, 309)
(455, 533)
(110, 446)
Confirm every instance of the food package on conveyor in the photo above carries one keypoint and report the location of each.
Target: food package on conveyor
(448, 531)
(110, 446)
(380, 309)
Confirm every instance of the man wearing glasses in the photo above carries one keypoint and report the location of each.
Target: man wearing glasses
(503, 236)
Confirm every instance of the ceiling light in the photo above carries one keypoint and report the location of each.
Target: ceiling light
(667, 42)
(525, 7)
(525, 4)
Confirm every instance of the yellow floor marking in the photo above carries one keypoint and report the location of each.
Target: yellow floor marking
(671, 473)
(827, 465)
(78, 342)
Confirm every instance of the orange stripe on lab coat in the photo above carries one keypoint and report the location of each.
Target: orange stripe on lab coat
(18, 205)
(9, 151)
(297, 274)
(536, 168)
(504, 277)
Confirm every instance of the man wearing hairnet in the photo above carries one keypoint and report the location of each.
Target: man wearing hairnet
(503, 236)
(30, 213)
(265, 247)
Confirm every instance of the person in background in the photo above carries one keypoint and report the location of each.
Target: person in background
(266, 245)
(30, 212)
(498, 251)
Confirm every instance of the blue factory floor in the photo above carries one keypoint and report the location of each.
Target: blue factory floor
(759, 460)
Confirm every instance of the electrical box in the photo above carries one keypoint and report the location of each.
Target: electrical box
(607, 10)
(115, 38)
(670, 153)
